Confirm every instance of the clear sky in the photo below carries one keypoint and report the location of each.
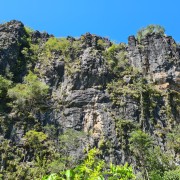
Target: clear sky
(115, 19)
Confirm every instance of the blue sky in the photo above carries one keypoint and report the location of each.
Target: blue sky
(115, 19)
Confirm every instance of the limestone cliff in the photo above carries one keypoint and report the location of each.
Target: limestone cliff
(95, 87)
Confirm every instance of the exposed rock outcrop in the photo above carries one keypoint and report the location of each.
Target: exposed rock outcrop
(157, 57)
(12, 40)
(86, 95)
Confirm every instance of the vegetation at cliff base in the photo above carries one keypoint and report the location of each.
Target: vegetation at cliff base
(93, 168)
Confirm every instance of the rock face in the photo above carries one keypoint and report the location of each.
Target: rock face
(158, 57)
(86, 94)
(11, 42)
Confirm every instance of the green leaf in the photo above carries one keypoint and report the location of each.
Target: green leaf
(69, 174)
(53, 176)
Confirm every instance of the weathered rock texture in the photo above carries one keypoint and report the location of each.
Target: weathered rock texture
(158, 57)
(87, 95)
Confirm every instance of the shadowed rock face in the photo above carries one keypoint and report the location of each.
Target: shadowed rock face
(79, 96)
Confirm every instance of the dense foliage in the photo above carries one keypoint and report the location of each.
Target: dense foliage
(92, 168)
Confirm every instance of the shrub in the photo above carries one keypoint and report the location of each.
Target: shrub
(28, 94)
(172, 175)
(173, 139)
(93, 168)
(101, 44)
(54, 44)
(140, 142)
(157, 29)
(116, 58)
(4, 85)
(35, 138)
(28, 30)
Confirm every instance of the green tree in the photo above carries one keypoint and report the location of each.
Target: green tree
(29, 95)
(140, 143)
(157, 162)
(152, 161)
(69, 141)
(36, 146)
(173, 139)
(34, 139)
